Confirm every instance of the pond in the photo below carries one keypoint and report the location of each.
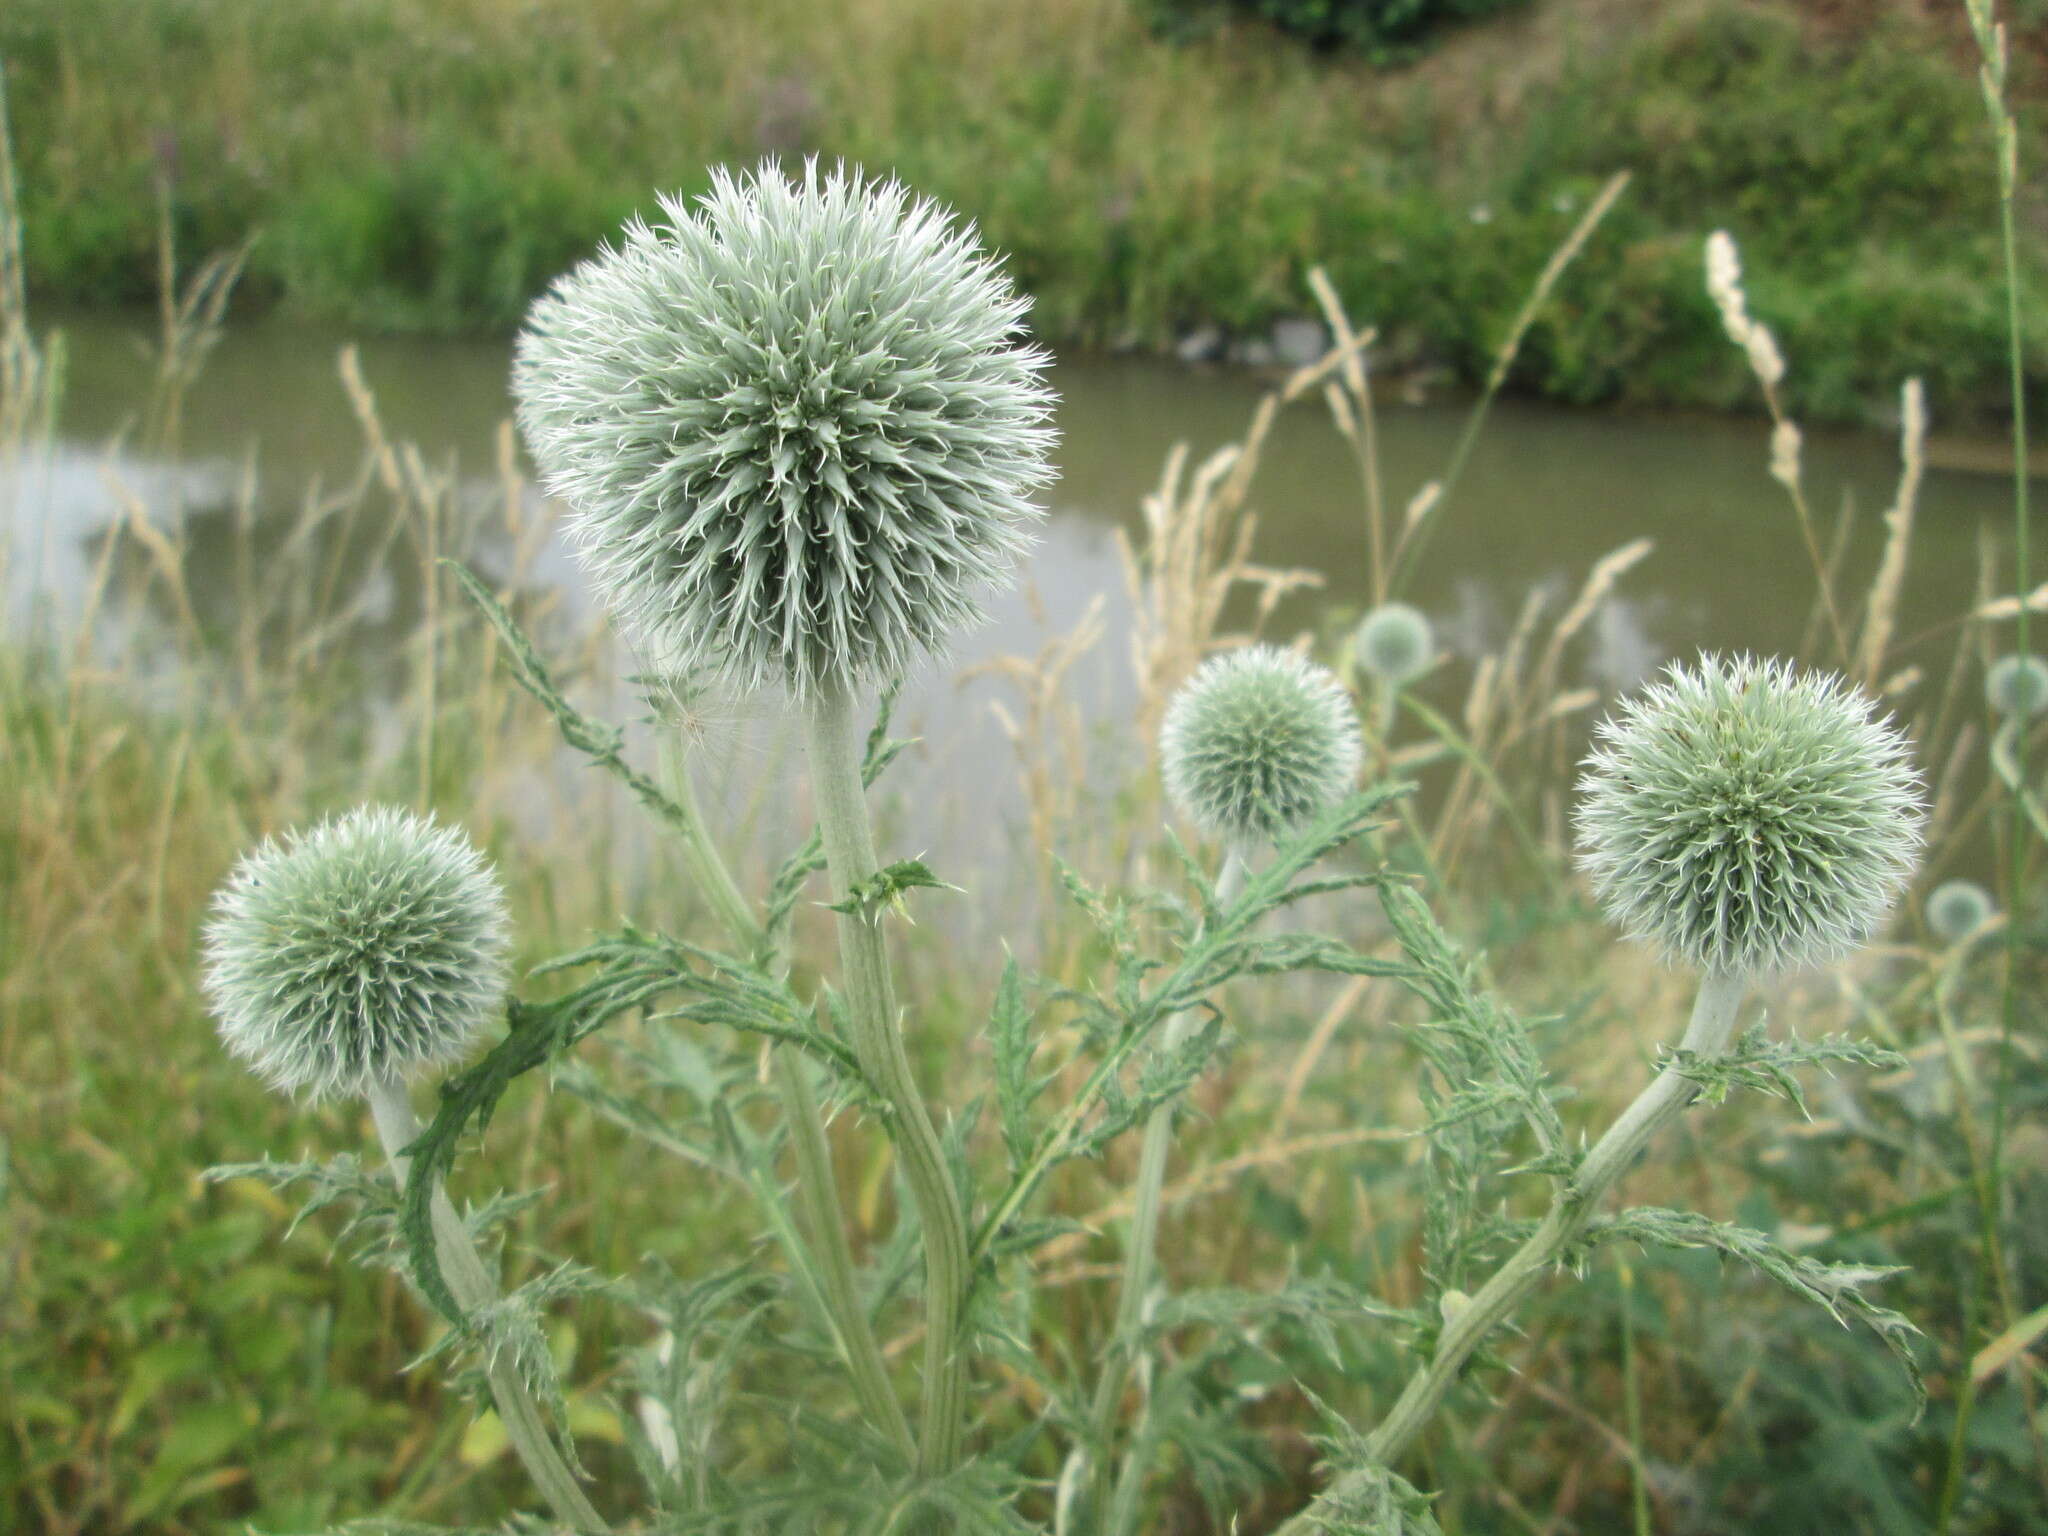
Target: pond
(1548, 492)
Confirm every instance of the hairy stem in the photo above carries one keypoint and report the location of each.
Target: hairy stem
(473, 1286)
(878, 1045)
(1140, 1263)
(1712, 1027)
(830, 1259)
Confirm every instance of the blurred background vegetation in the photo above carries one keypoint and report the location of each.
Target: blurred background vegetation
(277, 644)
(1149, 166)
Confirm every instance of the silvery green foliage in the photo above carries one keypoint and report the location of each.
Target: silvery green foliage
(1257, 742)
(2017, 686)
(1395, 643)
(1958, 908)
(1746, 818)
(796, 427)
(372, 944)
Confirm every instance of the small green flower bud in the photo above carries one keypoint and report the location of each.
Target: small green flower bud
(1958, 908)
(1257, 742)
(2017, 686)
(1395, 643)
(1746, 818)
(796, 427)
(372, 946)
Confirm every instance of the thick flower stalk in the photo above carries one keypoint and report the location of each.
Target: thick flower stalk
(1743, 818)
(796, 427)
(799, 433)
(348, 960)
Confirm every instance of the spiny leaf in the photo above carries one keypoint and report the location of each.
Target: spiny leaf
(885, 888)
(1767, 1065)
(1837, 1287)
(1009, 1029)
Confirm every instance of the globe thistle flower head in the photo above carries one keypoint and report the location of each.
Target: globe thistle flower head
(2017, 686)
(1257, 742)
(796, 427)
(1958, 908)
(1747, 818)
(1395, 643)
(371, 946)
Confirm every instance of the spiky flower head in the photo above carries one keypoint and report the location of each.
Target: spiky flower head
(1958, 908)
(1395, 643)
(795, 426)
(1257, 742)
(2017, 685)
(370, 946)
(1747, 818)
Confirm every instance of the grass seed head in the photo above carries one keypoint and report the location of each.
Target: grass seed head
(1958, 908)
(1395, 643)
(1257, 742)
(2017, 686)
(373, 945)
(1747, 818)
(796, 426)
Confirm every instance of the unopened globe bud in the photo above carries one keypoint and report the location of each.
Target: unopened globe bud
(368, 949)
(1257, 742)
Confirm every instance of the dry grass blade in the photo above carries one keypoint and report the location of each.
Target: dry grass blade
(1891, 571)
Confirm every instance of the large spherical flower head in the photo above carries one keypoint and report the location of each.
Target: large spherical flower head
(1748, 818)
(2017, 685)
(1395, 643)
(1257, 742)
(796, 427)
(372, 946)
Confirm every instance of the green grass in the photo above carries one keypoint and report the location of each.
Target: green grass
(429, 166)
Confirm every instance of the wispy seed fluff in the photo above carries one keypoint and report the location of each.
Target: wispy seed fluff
(1958, 908)
(796, 427)
(1257, 742)
(1395, 643)
(373, 945)
(1747, 818)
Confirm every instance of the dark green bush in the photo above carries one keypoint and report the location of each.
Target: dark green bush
(1386, 30)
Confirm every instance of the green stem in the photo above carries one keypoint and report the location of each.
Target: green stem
(1140, 1262)
(398, 1127)
(1708, 1034)
(878, 1044)
(817, 1190)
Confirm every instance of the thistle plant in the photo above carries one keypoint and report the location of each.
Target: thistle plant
(1956, 909)
(1257, 744)
(798, 433)
(350, 959)
(1743, 818)
(1394, 644)
(2016, 686)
